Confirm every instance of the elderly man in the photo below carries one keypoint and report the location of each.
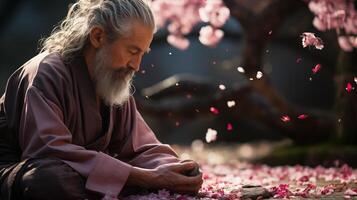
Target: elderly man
(69, 127)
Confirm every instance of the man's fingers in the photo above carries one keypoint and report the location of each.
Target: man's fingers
(189, 180)
(180, 167)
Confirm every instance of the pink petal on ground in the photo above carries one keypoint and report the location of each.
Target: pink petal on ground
(316, 68)
(309, 39)
(281, 191)
(349, 87)
(229, 127)
(302, 116)
(351, 192)
(211, 135)
(214, 110)
(285, 118)
(327, 190)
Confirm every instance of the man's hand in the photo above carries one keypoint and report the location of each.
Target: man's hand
(169, 176)
(176, 177)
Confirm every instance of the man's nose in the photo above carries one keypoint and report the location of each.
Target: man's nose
(135, 64)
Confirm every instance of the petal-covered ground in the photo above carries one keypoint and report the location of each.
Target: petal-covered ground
(226, 177)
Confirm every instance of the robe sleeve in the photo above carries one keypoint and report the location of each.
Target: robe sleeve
(142, 148)
(44, 134)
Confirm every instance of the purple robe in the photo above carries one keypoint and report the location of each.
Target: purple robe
(52, 108)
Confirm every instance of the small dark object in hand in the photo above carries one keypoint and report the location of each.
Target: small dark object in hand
(193, 172)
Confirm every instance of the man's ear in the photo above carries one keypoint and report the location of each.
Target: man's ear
(97, 37)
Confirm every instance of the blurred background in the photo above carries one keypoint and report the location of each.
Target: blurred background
(183, 93)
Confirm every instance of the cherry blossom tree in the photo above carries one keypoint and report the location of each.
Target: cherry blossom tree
(181, 16)
(339, 15)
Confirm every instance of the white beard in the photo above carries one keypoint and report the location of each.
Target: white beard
(113, 86)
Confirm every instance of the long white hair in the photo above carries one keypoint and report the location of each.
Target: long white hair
(114, 16)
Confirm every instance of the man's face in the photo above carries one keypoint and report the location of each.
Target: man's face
(116, 63)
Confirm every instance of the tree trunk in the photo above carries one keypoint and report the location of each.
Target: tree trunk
(345, 104)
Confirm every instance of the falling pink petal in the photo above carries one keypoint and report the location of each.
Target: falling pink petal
(349, 87)
(285, 118)
(355, 79)
(259, 75)
(241, 69)
(270, 32)
(211, 135)
(230, 104)
(222, 87)
(214, 110)
(316, 68)
(229, 127)
(302, 116)
(298, 60)
(309, 39)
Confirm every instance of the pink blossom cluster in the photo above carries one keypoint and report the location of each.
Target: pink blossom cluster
(182, 15)
(339, 15)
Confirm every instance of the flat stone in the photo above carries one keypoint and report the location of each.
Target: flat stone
(254, 192)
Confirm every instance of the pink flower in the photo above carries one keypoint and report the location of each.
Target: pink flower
(316, 68)
(345, 43)
(178, 42)
(211, 135)
(309, 39)
(210, 36)
(215, 13)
